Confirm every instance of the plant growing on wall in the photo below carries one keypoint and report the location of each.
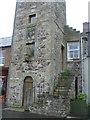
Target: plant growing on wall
(66, 73)
(81, 96)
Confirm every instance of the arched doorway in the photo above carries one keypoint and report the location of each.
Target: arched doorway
(27, 91)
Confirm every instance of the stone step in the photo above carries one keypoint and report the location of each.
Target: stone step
(69, 81)
(62, 87)
(64, 84)
(60, 90)
(61, 93)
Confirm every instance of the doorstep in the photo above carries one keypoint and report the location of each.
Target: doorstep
(14, 109)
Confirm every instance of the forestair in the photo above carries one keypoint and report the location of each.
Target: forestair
(63, 87)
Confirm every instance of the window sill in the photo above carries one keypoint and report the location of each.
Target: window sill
(1, 65)
(74, 60)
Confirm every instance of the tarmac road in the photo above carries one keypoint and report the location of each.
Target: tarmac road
(17, 114)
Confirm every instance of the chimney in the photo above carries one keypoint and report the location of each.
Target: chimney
(89, 28)
(86, 29)
(89, 39)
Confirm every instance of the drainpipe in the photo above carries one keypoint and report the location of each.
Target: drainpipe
(82, 64)
(88, 39)
(86, 29)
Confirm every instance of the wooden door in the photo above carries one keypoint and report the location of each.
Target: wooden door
(28, 91)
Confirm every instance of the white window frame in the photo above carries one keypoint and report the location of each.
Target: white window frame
(2, 57)
(5, 41)
(73, 50)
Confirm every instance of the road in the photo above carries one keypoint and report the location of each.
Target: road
(16, 114)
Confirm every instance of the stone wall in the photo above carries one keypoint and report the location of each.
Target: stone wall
(75, 65)
(57, 33)
(52, 107)
(58, 106)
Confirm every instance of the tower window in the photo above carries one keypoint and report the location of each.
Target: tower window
(31, 48)
(32, 18)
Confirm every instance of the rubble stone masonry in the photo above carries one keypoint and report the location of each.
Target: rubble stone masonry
(46, 35)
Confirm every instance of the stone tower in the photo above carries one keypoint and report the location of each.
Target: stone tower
(37, 51)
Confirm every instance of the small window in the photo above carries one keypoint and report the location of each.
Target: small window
(73, 50)
(31, 48)
(32, 18)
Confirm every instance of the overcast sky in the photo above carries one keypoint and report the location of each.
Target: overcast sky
(76, 10)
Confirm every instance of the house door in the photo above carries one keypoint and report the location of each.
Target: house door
(76, 87)
(27, 91)
(62, 57)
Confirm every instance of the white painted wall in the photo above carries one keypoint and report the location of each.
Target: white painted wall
(86, 78)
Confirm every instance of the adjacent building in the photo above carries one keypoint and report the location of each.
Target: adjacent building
(5, 50)
(73, 54)
(85, 40)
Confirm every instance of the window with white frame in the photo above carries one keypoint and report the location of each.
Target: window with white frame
(73, 50)
(2, 57)
(5, 41)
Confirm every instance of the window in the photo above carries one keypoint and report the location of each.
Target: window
(73, 50)
(31, 47)
(32, 18)
(2, 57)
(5, 41)
(2, 87)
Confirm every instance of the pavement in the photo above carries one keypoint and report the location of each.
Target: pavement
(0, 111)
(8, 113)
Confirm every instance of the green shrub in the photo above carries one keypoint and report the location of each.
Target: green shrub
(81, 96)
(66, 72)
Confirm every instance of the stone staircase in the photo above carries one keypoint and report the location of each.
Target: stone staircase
(59, 104)
(63, 87)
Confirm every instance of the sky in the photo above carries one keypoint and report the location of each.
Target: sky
(76, 14)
